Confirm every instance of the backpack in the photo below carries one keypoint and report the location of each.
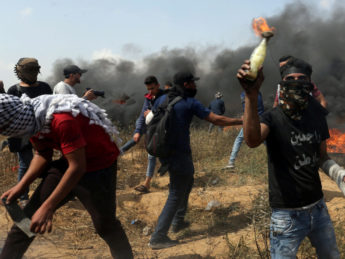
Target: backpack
(157, 141)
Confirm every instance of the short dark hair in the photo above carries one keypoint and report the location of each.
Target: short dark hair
(285, 58)
(169, 83)
(150, 80)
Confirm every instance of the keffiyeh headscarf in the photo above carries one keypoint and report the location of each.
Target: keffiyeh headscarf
(22, 117)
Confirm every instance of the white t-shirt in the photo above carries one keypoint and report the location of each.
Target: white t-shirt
(63, 88)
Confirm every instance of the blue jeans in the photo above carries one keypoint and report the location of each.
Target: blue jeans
(289, 227)
(236, 147)
(210, 128)
(25, 156)
(181, 171)
(151, 166)
(151, 159)
(129, 144)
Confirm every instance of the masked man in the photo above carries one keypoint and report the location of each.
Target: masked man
(315, 92)
(295, 132)
(180, 163)
(87, 170)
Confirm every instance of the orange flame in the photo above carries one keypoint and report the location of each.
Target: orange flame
(336, 142)
(119, 101)
(260, 25)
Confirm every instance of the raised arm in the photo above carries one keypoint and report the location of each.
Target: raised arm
(254, 131)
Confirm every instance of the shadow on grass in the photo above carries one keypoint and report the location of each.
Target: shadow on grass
(190, 256)
(122, 198)
(203, 180)
(216, 223)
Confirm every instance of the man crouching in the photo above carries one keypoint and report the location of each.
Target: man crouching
(295, 133)
(87, 170)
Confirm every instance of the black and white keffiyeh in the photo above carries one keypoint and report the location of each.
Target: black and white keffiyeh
(22, 117)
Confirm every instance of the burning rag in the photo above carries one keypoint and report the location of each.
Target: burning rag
(22, 117)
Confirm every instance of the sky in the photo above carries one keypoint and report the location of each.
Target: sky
(89, 29)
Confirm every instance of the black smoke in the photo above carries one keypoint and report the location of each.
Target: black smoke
(300, 31)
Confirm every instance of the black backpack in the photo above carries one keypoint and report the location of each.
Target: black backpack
(157, 139)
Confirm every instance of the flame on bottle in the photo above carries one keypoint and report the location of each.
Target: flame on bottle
(260, 25)
(336, 142)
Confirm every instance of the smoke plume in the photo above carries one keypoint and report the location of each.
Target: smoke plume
(300, 32)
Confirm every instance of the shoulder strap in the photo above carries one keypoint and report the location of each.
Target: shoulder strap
(18, 88)
(173, 102)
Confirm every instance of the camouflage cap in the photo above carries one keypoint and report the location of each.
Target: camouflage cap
(27, 70)
(26, 61)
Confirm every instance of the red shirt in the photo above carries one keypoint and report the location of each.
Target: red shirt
(68, 133)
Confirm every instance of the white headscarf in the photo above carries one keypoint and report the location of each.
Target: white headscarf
(22, 117)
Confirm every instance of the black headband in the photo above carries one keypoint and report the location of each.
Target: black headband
(291, 70)
(297, 84)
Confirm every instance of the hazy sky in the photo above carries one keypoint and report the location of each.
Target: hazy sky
(86, 29)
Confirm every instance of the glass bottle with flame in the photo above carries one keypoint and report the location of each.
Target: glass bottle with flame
(257, 58)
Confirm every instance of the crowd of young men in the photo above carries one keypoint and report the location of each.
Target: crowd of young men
(87, 169)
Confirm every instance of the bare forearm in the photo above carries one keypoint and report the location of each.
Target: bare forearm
(223, 120)
(251, 122)
(226, 121)
(37, 165)
(66, 184)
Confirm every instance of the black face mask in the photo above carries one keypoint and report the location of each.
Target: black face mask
(190, 92)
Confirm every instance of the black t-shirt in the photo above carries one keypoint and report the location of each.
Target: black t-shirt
(31, 91)
(293, 149)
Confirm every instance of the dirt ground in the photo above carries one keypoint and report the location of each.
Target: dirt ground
(74, 237)
(223, 232)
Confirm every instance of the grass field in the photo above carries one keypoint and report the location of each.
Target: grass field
(238, 228)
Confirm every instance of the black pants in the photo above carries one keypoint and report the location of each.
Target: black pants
(96, 191)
